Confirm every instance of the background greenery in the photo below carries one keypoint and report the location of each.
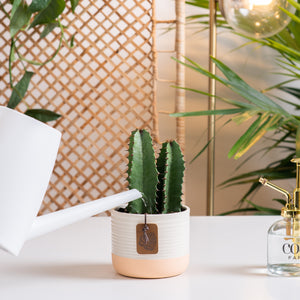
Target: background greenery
(25, 18)
(270, 116)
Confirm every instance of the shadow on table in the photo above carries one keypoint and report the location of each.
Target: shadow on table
(250, 270)
(86, 270)
(232, 270)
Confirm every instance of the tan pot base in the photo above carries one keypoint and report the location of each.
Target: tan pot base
(150, 268)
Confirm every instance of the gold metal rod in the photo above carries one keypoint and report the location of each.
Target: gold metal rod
(211, 106)
(297, 189)
(297, 175)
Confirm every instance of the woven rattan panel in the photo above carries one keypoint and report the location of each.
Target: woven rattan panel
(103, 88)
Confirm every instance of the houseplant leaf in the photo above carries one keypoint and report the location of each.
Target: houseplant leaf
(48, 28)
(43, 115)
(19, 90)
(74, 4)
(38, 5)
(49, 13)
(14, 8)
(19, 19)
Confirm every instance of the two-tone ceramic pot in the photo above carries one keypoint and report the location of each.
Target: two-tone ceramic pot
(151, 246)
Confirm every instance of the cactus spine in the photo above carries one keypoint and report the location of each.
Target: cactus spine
(161, 182)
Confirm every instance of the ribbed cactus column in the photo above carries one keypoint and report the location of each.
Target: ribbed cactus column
(170, 166)
(160, 182)
(142, 172)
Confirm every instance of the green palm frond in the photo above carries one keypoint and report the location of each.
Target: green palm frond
(268, 120)
(268, 115)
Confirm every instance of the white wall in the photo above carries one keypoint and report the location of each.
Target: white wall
(251, 63)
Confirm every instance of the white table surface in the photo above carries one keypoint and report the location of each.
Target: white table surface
(228, 258)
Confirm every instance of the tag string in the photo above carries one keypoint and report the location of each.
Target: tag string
(145, 229)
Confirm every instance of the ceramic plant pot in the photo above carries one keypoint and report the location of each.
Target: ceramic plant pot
(162, 250)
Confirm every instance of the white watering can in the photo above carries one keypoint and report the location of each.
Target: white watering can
(28, 150)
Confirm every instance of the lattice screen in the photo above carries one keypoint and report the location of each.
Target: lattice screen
(103, 88)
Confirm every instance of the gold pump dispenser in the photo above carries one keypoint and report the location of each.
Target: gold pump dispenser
(292, 207)
(284, 235)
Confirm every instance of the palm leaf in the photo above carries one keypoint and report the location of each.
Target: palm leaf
(209, 112)
(292, 91)
(273, 173)
(199, 3)
(266, 210)
(245, 137)
(268, 115)
(238, 85)
(258, 134)
(240, 210)
(295, 4)
(280, 201)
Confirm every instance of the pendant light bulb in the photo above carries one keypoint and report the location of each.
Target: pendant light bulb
(256, 18)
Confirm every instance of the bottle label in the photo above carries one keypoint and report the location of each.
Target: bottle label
(292, 250)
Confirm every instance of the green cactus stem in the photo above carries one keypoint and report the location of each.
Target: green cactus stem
(142, 172)
(170, 166)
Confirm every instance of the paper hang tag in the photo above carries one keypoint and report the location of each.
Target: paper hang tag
(146, 238)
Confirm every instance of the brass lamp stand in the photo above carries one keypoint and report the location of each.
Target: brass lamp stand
(211, 106)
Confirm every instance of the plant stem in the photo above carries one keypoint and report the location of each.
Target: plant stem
(37, 63)
(12, 46)
(62, 30)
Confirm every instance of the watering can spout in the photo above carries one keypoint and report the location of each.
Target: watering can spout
(52, 221)
(13, 243)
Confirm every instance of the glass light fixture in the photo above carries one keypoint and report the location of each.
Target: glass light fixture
(256, 18)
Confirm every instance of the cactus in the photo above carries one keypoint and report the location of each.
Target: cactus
(170, 166)
(142, 172)
(161, 182)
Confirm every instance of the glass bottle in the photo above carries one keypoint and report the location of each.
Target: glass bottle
(283, 252)
(284, 247)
